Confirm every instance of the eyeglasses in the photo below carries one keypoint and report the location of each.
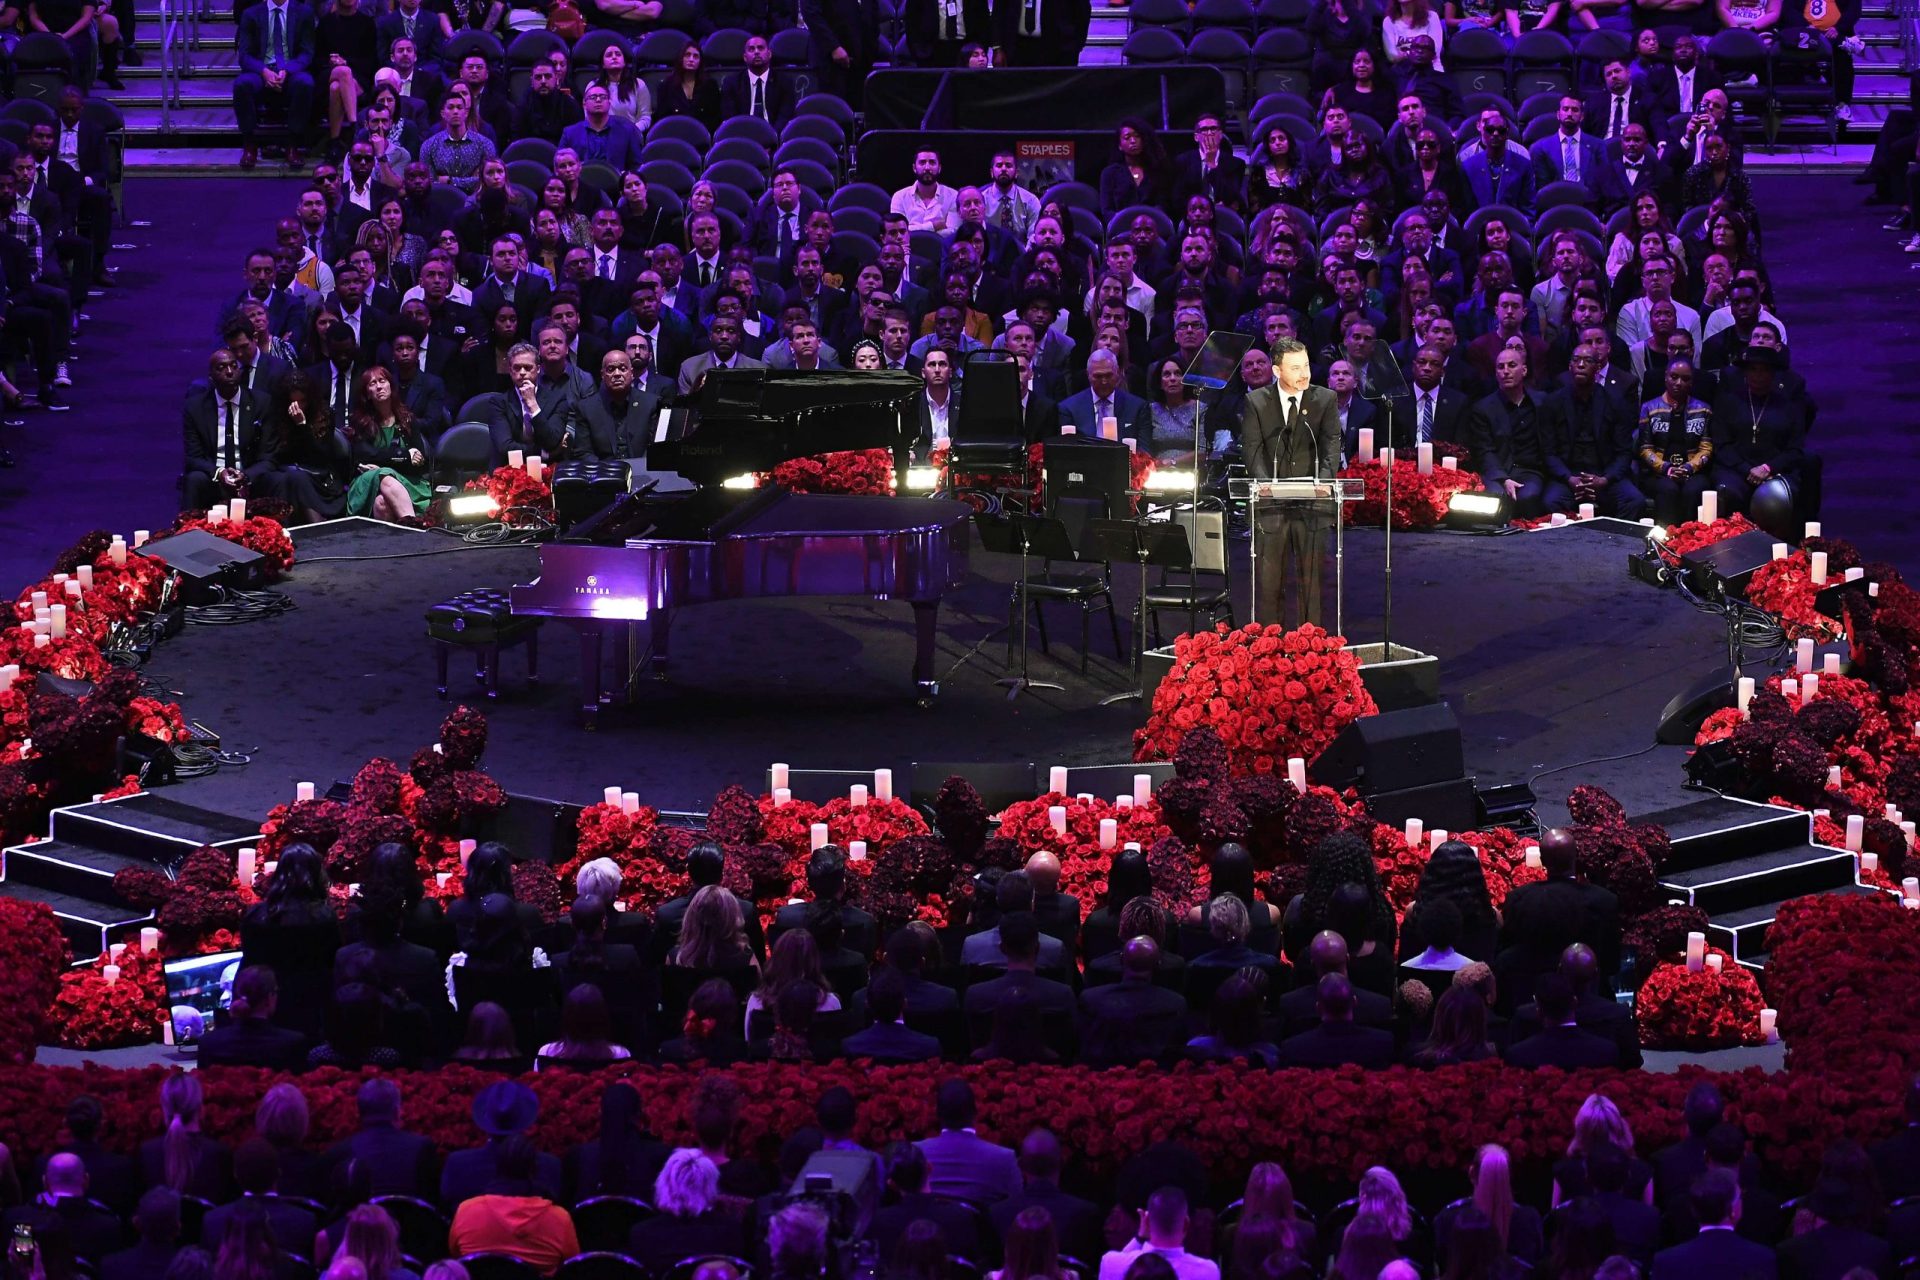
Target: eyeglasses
(1426, 144)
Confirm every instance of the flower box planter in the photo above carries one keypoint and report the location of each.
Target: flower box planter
(1410, 679)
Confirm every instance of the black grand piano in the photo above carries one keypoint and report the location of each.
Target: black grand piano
(647, 555)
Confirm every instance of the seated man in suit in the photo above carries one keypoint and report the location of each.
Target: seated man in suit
(1355, 412)
(1718, 1250)
(275, 47)
(1327, 953)
(1058, 913)
(1429, 410)
(1338, 1040)
(1020, 940)
(518, 419)
(1088, 411)
(256, 1171)
(827, 882)
(1587, 437)
(706, 864)
(398, 1163)
(1013, 893)
(1126, 1022)
(756, 91)
(723, 352)
(252, 1038)
(617, 419)
(1569, 154)
(227, 452)
(1593, 1010)
(1495, 175)
(1076, 1222)
(1504, 433)
(961, 1163)
(1039, 414)
(64, 1208)
(1561, 1041)
(889, 1039)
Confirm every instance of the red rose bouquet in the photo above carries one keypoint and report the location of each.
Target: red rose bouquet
(854, 471)
(256, 533)
(1690, 536)
(511, 489)
(1786, 587)
(32, 954)
(1419, 502)
(1083, 861)
(93, 1013)
(1269, 694)
(1678, 1008)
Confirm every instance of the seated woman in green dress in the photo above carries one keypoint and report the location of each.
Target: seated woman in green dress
(388, 451)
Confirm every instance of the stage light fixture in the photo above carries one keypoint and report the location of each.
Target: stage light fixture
(923, 479)
(1476, 511)
(748, 481)
(1169, 481)
(470, 508)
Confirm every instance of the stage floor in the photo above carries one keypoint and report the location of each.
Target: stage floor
(1549, 653)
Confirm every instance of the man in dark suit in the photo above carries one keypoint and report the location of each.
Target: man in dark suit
(706, 864)
(1587, 438)
(1338, 1040)
(823, 302)
(1593, 1011)
(778, 226)
(669, 334)
(756, 91)
(368, 323)
(1058, 913)
(529, 294)
(909, 1176)
(411, 20)
(1087, 411)
(1636, 1224)
(1289, 428)
(889, 1039)
(1041, 33)
(226, 444)
(843, 37)
(1020, 943)
(275, 47)
(256, 1170)
(616, 421)
(1076, 1223)
(520, 419)
(252, 1039)
(1679, 87)
(937, 30)
(1594, 914)
(1561, 1042)
(1039, 414)
(827, 882)
(1132, 1020)
(1012, 894)
(1838, 1244)
(613, 266)
(400, 964)
(157, 1223)
(1634, 168)
(64, 1208)
(1327, 953)
(1210, 169)
(1429, 410)
(1718, 1251)
(1569, 154)
(1504, 433)
(1676, 1166)
(337, 378)
(960, 1163)
(501, 1110)
(1608, 111)
(1355, 412)
(1493, 174)
(112, 1178)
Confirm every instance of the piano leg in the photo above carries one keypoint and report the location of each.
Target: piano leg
(926, 615)
(590, 690)
(660, 629)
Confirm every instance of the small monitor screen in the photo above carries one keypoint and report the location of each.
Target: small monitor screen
(1218, 361)
(199, 987)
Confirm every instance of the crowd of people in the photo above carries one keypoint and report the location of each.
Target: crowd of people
(1571, 291)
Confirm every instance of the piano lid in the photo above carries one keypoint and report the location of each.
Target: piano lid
(782, 393)
(752, 420)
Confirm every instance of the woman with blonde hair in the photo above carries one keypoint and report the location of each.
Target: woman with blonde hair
(1381, 1195)
(370, 1237)
(1599, 1122)
(689, 1221)
(1269, 1198)
(283, 1120)
(184, 1159)
(713, 933)
(1516, 1226)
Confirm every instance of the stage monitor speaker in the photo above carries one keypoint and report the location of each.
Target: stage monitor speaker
(854, 1175)
(1395, 750)
(1446, 806)
(1725, 567)
(1681, 718)
(207, 565)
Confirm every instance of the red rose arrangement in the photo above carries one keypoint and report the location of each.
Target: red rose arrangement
(650, 874)
(1786, 587)
(32, 954)
(1679, 1008)
(1690, 536)
(1270, 695)
(1083, 862)
(512, 489)
(256, 533)
(853, 471)
(1419, 502)
(93, 1013)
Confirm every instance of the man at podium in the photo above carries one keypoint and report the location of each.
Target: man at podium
(1290, 429)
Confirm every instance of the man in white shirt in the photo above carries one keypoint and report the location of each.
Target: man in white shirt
(1656, 279)
(1162, 1230)
(1120, 262)
(928, 204)
(937, 399)
(1010, 206)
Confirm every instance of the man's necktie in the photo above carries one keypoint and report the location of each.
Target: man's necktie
(1006, 213)
(406, 20)
(606, 266)
(1618, 120)
(313, 244)
(706, 274)
(1101, 412)
(1426, 418)
(277, 16)
(786, 235)
(229, 435)
(759, 107)
(1686, 93)
(526, 422)
(1293, 412)
(340, 391)
(1569, 160)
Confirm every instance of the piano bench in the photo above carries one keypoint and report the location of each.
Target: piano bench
(481, 622)
(582, 489)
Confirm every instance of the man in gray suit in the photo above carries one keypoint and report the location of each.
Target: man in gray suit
(960, 1162)
(723, 351)
(1290, 428)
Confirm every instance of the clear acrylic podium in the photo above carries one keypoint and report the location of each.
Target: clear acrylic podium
(1301, 497)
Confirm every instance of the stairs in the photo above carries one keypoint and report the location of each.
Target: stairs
(202, 135)
(72, 871)
(1740, 861)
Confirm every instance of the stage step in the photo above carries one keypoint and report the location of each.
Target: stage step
(161, 830)
(65, 867)
(1714, 829)
(1743, 933)
(88, 924)
(1775, 875)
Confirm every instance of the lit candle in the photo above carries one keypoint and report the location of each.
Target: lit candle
(1781, 551)
(1854, 574)
(1123, 802)
(1709, 507)
(1790, 688)
(629, 802)
(856, 850)
(1856, 832)
(1770, 1025)
(1297, 773)
(1873, 589)
(1386, 457)
(1423, 455)
(1449, 464)
(1057, 818)
(1743, 693)
(817, 835)
(149, 940)
(117, 552)
(535, 469)
(1803, 654)
(857, 795)
(1809, 686)
(466, 851)
(611, 797)
(1715, 961)
(782, 798)
(217, 514)
(516, 459)
(115, 951)
(1910, 887)
(1142, 787)
(166, 1030)
(1586, 511)
(1893, 813)
(442, 878)
(86, 577)
(438, 749)
(1109, 428)
(1131, 846)
(1533, 856)
(1109, 833)
(42, 640)
(1559, 520)
(1415, 827)
(59, 613)
(237, 510)
(1057, 780)
(883, 785)
(1813, 528)
(1830, 664)
(1084, 797)
(1366, 444)
(1436, 838)
(1818, 560)
(1907, 830)
(73, 588)
(1696, 951)
(1869, 863)
(141, 537)
(8, 674)
(303, 791)
(247, 862)
(777, 777)
(1833, 777)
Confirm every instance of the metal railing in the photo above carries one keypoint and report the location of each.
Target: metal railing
(173, 59)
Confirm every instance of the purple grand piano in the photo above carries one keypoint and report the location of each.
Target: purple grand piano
(644, 557)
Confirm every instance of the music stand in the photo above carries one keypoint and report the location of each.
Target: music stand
(1162, 543)
(1388, 383)
(1213, 369)
(1017, 533)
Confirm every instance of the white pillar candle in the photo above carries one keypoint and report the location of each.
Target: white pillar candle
(1423, 455)
(1586, 511)
(883, 785)
(1856, 832)
(1415, 827)
(1854, 574)
(857, 795)
(85, 574)
(1818, 560)
(1709, 507)
(1715, 961)
(535, 468)
(1386, 457)
(1123, 802)
(166, 1030)
(1533, 856)
(73, 590)
(1873, 589)
(1809, 686)
(856, 850)
(115, 951)
(1911, 904)
(611, 797)
(1803, 654)
(1131, 846)
(217, 514)
(1813, 528)
(1790, 688)
(1142, 787)
(1833, 777)
(1057, 818)
(817, 835)
(1830, 664)
(466, 851)
(782, 798)
(1109, 833)
(268, 868)
(1869, 863)
(59, 613)
(1770, 1025)
(237, 510)
(516, 458)
(303, 791)
(629, 802)
(1743, 693)
(246, 864)
(1297, 773)
(1436, 838)
(1084, 797)
(1696, 951)
(442, 878)
(141, 537)
(1366, 444)
(1907, 830)
(1449, 464)
(1558, 520)
(1781, 551)
(777, 777)
(7, 674)
(41, 640)
(1057, 780)
(1823, 813)
(1910, 887)
(117, 552)
(149, 940)
(1109, 428)
(1893, 812)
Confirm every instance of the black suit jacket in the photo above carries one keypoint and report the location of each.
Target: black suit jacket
(1598, 104)
(1333, 1044)
(1490, 434)
(142, 1262)
(112, 1178)
(1567, 1047)
(1612, 424)
(1224, 184)
(426, 399)
(1055, 1000)
(531, 297)
(1298, 1011)
(861, 928)
(1829, 1251)
(200, 427)
(891, 1042)
(1041, 419)
(1077, 1223)
(1128, 1021)
(293, 1227)
(1897, 1160)
(1599, 913)
(1593, 1013)
(1636, 1224)
(1720, 1254)
(1618, 187)
(399, 1163)
(253, 1042)
(93, 1232)
(603, 434)
(1270, 450)
(1449, 417)
(735, 98)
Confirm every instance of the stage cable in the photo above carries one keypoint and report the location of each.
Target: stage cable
(1581, 764)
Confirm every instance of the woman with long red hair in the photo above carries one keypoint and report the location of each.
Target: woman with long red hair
(388, 450)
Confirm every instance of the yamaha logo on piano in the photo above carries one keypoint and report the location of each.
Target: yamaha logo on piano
(592, 587)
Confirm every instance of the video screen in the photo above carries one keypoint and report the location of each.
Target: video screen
(198, 988)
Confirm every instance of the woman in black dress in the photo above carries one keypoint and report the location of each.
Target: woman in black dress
(1139, 173)
(688, 91)
(313, 460)
(347, 45)
(295, 932)
(1363, 92)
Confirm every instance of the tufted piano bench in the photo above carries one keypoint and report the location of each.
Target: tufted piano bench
(481, 621)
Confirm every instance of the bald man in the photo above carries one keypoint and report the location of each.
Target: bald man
(64, 1210)
(1337, 1039)
(1058, 913)
(1327, 953)
(1593, 1010)
(1132, 1020)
